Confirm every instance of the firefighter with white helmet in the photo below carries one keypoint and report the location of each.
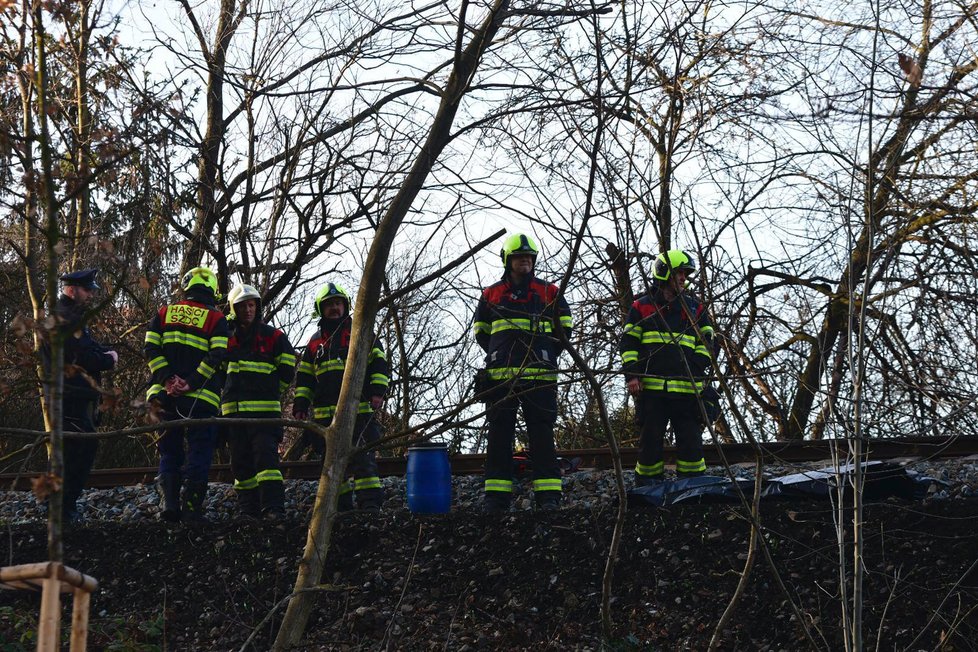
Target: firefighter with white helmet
(260, 367)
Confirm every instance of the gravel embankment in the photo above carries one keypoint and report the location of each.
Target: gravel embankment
(583, 489)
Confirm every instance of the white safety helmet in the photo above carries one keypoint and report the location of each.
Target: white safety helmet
(242, 292)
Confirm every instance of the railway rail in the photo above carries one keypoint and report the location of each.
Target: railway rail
(793, 452)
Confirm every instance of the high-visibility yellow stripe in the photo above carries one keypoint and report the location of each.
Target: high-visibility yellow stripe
(650, 469)
(219, 342)
(507, 373)
(323, 412)
(629, 356)
(666, 337)
(186, 339)
(379, 379)
(303, 392)
(205, 395)
(377, 354)
(270, 475)
(684, 466)
(330, 365)
(231, 407)
(153, 391)
(547, 484)
(634, 330)
(152, 337)
(566, 321)
(501, 325)
(366, 483)
(238, 366)
(286, 359)
(250, 483)
(672, 385)
(157, 363)
(480, 327)
(305, 368)
(205, 369)
(499, 485)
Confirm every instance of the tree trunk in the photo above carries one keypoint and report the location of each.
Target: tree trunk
(368, 298)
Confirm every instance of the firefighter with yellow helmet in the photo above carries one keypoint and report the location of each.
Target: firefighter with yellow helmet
(260, 367)
(185, 347)
(666, 351)
(317, 391)
(515, 324)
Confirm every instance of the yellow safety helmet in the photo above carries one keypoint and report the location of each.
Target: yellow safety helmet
(518, 243)
(327, 292)
(201, 276)
(670, 260)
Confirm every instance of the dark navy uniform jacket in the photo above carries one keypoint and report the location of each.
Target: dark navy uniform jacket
(84, 360)
(321, 371)
(514, 325)
(662, 338)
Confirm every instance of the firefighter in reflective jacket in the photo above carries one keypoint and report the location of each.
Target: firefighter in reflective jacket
(185, 347)
(318, 389)
(260, 368)
(666, 350)
(514, 324)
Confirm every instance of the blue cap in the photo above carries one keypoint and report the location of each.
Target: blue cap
(83, 278)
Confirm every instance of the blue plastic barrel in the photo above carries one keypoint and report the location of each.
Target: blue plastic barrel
(429, 479)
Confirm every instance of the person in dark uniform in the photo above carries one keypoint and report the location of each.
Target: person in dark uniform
(666, 351)
(260, 368)
(317, 389)
(185, 347)
(515, 324)
(84, 361)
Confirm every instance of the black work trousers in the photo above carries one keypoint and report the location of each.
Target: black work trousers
(363, 464)
(655, 411)
(79, 454)
(254, 450)
(539, 402)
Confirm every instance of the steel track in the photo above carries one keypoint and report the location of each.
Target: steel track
(796, 452)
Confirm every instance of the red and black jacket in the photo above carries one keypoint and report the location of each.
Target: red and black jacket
(188, 339)
(321, 370)
(260, 368)
(514, 325)
(667, 344)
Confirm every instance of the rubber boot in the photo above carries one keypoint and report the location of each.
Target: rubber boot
(548, 501)
(648, 480)
(345, 502)
(496, 502)
(370, 500)
(272, 499)
(248, 503)
(169, 484)
(193, 501)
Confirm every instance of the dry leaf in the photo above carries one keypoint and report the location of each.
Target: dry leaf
(911, 69)
(45, 485)
(21, 324)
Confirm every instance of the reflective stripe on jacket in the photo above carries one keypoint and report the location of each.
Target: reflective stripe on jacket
(661, 338)
(515, 326)
(322, 366)
(260, 368)
(190, 340)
